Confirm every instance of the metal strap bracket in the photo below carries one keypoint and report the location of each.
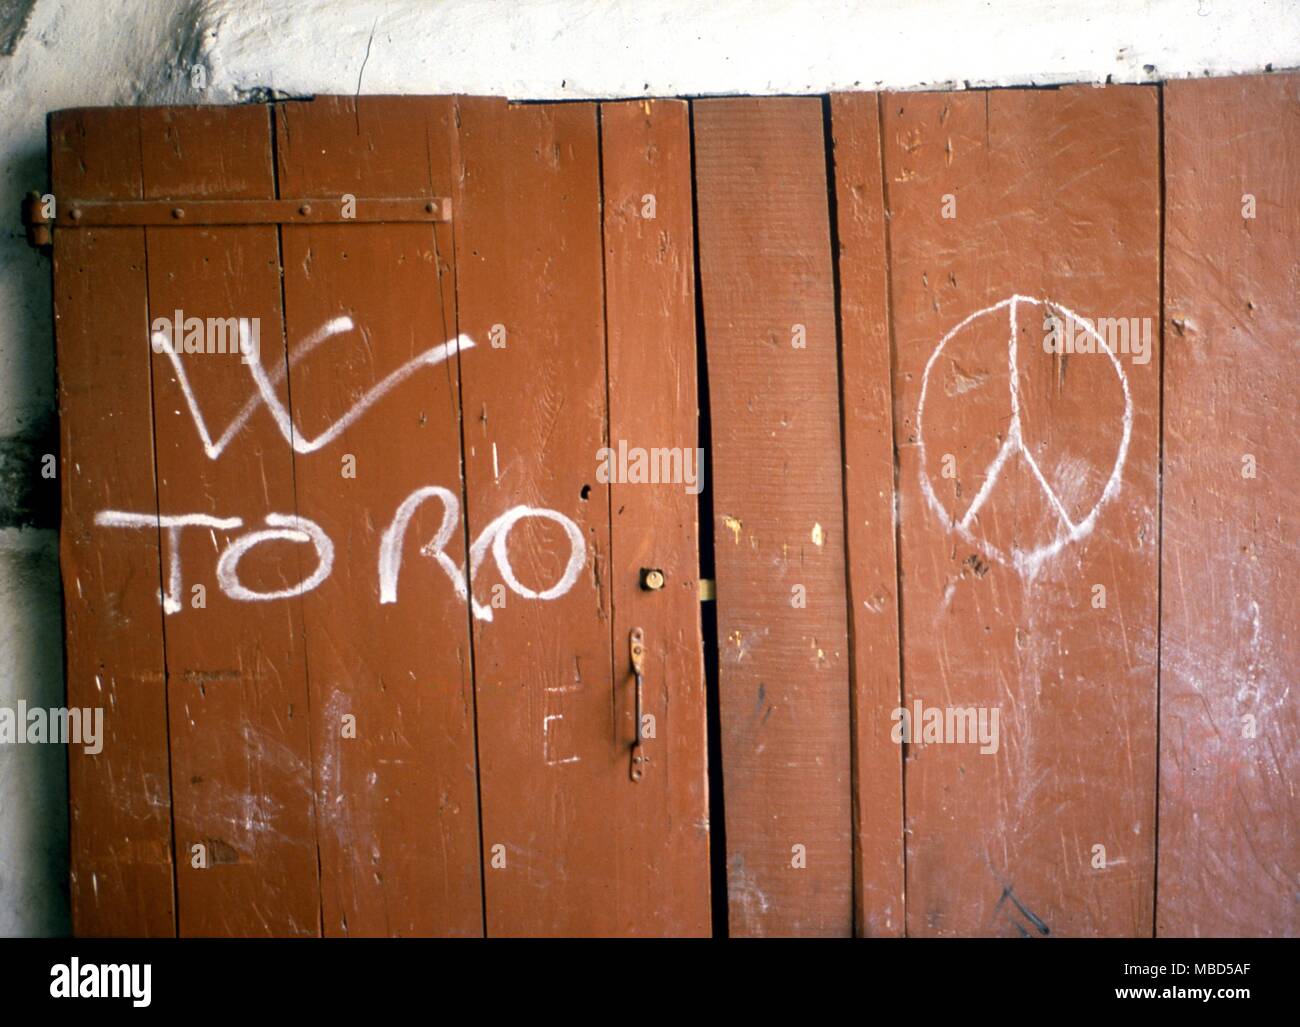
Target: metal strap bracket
(330, 210)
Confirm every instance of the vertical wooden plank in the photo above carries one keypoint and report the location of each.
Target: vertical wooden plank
(1008, 208)
(650, 318)
(869, 515)
(551, 710)
(236, 677)
(766, 281)
(399, 831)
(1229, 845)
(122, 879)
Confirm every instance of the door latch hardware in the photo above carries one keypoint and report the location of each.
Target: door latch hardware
(652, 579)
(637, 649)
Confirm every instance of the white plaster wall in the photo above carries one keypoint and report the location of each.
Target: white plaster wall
(33, 778)
(97, 52)
(72, 53)
(546, 49)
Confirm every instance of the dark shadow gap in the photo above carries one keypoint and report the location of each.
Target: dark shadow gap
(898, 528)
(162, 576)
(833, 230)
(275, 114)
(457, 164)
(709, 610)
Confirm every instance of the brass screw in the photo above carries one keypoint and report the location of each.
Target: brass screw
(652, 579)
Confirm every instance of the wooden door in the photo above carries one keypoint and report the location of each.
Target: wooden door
(1229, 818)
(358, 589)
(572, 844)
(1027, 497)
(999, 425)
(769, 315)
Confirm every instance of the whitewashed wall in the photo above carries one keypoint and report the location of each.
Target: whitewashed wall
(66, 53)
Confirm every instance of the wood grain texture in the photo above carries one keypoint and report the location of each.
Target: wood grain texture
(240, 724)
(871, 554)
(397, 796)
(122, 879)
(650, 317)
(928, 513)
(769, 314)
(1056, 198)
(1229, 846)
(552, 739)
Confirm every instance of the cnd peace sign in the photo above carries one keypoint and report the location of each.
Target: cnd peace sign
(1024, 561)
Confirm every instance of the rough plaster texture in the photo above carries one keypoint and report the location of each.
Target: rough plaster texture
(33, 778)
(66, 53)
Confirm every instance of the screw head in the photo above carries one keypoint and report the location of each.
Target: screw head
(652, 579)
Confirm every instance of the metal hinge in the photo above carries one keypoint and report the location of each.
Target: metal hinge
(333, 210)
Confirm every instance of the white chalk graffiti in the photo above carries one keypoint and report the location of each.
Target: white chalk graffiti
(266, 385)
(495, 535)
(171, 599)
(552, 758)
(286, 528)
(390, 548)
(1025, 562)
(292, 528)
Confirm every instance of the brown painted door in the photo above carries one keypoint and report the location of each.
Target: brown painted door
(1028, 504)
(1229, 659)
(571, 364)
(354, 582)
(769, 315)
(999, 423)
